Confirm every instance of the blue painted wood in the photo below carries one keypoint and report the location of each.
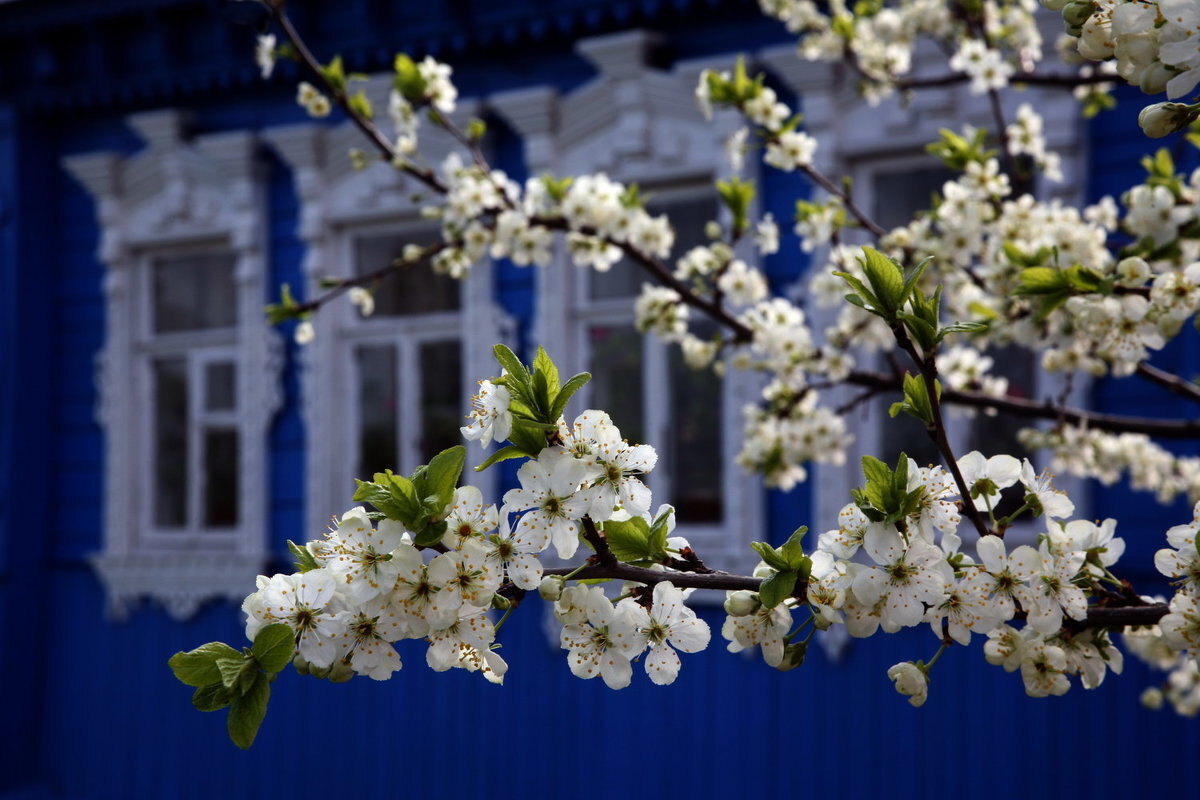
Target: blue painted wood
(93, 712)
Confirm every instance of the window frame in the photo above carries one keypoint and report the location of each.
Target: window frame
(179, 195)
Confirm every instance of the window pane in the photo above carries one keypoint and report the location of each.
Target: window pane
(694, 444)
(900, 195)
(625, 279)
(194, 292)
(994, 435)
(220, 478)
(414, 290)
(442, 399)
(616, 367)
(170, 442)
(377, 435)
(220, 386)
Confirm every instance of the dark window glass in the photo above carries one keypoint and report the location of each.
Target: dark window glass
(441, 397)
(616, 368)
(900, 195)
(377, 438)
(220, 478)
(220, 386)
(170, 442)
(695, 442)
(194, 292)
(415, 289)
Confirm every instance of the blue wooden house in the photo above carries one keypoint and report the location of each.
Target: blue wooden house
(159, 442)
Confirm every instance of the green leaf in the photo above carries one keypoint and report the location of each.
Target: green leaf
(304, 559)
(543, 364)
(630, 541)
(443, 473)
(508, 359)
(529, 439)
(574, 384)
(876, 471)
(246, 713)
(885, 277)
(213, 697)
(360, 105)
(231, 670)
(768, 554)
(335, 73)
(273, 647)
(867, 299)
(429, 534)
(503, 454)
(777, 588)
(1041, 280)
(392, 494)
(658, 530)
(910, 282)
(792, 550)
(408, 80)
(199, 667)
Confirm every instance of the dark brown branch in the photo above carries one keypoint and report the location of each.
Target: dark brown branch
(1030, 78)
(682, 580)
(369, 128)
(1169, 381)
(1030, 409)
(1109, 617)
(863, 219)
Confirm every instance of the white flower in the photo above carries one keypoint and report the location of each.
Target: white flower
(468, 516)
(304, 333)
(1054, 593)
(909, 578)
(1181, 627)
(790, 150)
(1183, 561)
(304, 602)
(1004, 575)
(264, 54)
(362, 299)
(603, 646)
(1043, 669)
(985, 477)
(667, 626)
(765, 627)
(370, 629)
(1053, 503)
(359, 556)
(490, 417)
(910, 681)
(550, 492)
(516, 555)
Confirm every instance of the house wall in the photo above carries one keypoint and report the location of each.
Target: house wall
(92, 710)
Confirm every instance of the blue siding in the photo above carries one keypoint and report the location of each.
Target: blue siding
(93, 712)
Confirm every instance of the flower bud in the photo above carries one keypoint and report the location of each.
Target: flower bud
(340, 671)
(741, 603)
(301, 664)
(551, 588)
(910, 681)
(1152, 699)
(1154, 78)
(1160, 119)
(1077, 12)
(712, 229)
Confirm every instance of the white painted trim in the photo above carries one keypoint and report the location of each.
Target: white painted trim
(638, 124)
(177, 193)
(337, 204)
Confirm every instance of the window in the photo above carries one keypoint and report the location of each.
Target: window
(388, 391)
(408, 361)
(585, 319)
(188, 377)
(652, 396)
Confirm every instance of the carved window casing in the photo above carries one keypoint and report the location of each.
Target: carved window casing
(188, 377)
(392, 389)
(639, 124)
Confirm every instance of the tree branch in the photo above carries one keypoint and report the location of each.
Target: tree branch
(1169, 381)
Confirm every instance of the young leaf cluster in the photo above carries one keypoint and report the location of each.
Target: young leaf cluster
(885, 496)
(791, 567)
(957, 151)
(240, 680)
(538, 400)
(421, 500)
(638, 542)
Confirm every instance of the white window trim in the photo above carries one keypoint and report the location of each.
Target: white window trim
(639, 124)
(177, 193)
(339, 203)
(861, 140)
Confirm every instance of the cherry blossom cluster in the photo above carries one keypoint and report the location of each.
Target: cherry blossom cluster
(991, 40)
(916, 572)
(1153, 43)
